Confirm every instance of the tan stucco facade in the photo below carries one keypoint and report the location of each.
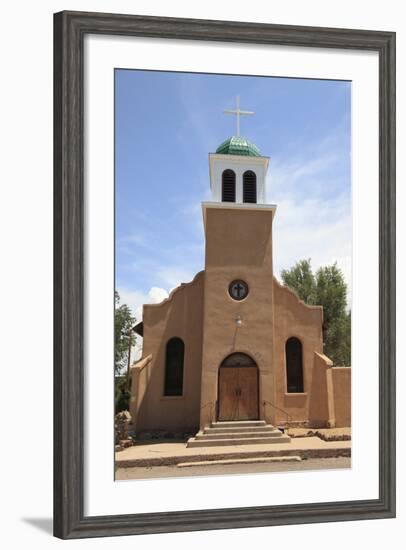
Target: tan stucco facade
(330, 394)
(178, 316)
(238, 246)
(294, 318)
(213, 326)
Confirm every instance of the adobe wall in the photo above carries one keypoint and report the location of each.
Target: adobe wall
(342, 396)
(181, 316)
(139, 380)
(294, 318)
(321, 394)
(330, 397)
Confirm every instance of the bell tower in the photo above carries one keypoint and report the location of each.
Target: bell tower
(238, 285)
(237, 169)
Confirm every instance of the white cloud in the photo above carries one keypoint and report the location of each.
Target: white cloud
(313, 217)
(316, 229)
(157, 294)
(173, 276)
(289, 174)
(135, 299)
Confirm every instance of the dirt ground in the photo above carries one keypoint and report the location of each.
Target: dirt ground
(173, 471)
(326, 434)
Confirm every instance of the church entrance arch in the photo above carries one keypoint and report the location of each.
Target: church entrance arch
(238, 388)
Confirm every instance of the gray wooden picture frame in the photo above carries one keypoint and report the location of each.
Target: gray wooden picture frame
(69, 31)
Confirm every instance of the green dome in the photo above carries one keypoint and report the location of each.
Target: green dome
(238, 145)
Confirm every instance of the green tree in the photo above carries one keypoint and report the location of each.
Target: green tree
(122, 394)
(331, 293)
(123, 333)
(346, 344)
(326, 288)
(301, 279)
(123, 337)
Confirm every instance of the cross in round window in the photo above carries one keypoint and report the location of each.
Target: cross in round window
(238, 290)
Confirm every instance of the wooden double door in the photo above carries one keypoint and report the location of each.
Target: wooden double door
(238, 388)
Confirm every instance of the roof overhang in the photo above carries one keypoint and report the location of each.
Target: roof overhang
(139, 328)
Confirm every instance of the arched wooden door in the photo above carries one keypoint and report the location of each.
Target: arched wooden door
(238, 388)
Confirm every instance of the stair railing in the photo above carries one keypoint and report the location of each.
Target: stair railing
(288, 417)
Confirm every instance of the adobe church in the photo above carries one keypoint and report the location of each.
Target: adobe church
(234, 348)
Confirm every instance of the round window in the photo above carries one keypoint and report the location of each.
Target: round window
(238, 290)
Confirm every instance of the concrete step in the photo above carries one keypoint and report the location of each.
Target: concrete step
(237, 423)
(237, 435)
(230, 461)
(241, 429)
(194, 442)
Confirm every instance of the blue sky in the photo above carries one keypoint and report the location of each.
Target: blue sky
(166, 124)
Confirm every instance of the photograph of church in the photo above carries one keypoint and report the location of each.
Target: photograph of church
(234, 357)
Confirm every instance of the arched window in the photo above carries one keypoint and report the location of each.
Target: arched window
(175, 351)
(294, 366)
(228, 186)
(249, 187)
